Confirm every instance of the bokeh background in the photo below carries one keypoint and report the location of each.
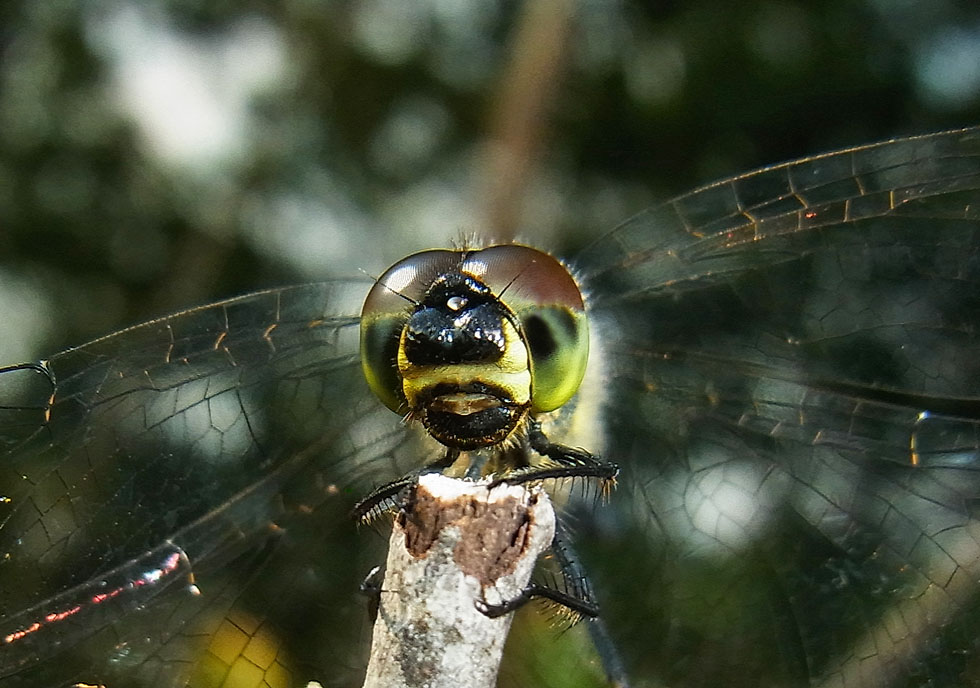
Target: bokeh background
(157, 155)
(160, 154)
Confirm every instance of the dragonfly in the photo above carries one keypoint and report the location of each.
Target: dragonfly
(786, 375)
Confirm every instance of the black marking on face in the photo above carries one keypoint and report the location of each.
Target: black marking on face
(458, 321)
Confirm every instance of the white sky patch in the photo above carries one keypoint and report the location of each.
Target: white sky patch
(947, 67)
(410, 136)
(188, 96)
(727, 503)
(309, 232)
(26, 316)
(390, 30)
(434, 212)
(192, 419)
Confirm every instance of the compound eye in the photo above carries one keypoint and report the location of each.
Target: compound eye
(534, 286)
(386, 310)
(548, 303)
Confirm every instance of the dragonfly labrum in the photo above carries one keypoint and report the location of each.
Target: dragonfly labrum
(784, 368)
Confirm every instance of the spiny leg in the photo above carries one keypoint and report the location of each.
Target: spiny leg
(389, 497)
(578, 599)
(560, 462)
(576, 596)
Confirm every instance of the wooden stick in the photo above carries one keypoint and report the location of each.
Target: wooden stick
(454, 545)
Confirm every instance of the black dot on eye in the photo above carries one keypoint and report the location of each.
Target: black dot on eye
(539, 337)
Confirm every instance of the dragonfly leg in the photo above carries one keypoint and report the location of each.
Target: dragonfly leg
(390, 496)
(560, 462)
(371, 588)
(576, 606)
(570, 588)
(575, 596)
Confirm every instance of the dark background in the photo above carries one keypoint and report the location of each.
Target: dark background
(159, 155)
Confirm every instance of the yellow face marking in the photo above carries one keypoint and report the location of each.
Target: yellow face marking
(533, 359)
(511, 373)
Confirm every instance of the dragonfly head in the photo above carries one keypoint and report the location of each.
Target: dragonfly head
(472, 342)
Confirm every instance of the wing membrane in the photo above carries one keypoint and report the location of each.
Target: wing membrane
(792, 390)
(796, 394)
(162, 453)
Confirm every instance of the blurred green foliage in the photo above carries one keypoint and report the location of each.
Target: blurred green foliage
(363, 130)
(158, 155)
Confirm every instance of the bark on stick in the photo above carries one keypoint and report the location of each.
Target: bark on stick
(455, 543)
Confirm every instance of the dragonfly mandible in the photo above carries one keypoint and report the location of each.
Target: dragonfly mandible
(789, 381)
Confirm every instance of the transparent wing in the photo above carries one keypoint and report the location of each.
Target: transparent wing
(794, 391)
(146, 478)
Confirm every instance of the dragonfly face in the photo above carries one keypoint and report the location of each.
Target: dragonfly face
(460, 339)
(789, 381)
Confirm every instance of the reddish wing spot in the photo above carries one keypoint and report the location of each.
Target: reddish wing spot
(170, 564)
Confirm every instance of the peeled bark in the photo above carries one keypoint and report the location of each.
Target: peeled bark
(454, 545)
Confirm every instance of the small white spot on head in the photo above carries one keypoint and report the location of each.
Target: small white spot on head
(456, 303)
